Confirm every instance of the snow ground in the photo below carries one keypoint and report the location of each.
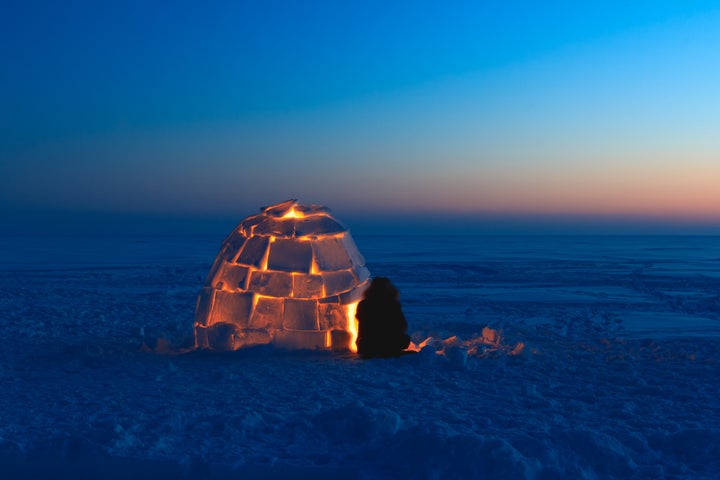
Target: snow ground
(619, 377)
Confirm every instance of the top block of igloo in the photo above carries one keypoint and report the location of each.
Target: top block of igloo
(280, 209)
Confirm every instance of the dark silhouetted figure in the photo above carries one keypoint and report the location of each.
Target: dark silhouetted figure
(382, 328)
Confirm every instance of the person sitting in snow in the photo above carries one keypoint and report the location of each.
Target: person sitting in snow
(382, 328)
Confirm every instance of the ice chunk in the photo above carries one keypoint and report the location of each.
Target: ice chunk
(330, 254)
(231, 307)
(290, 255)
(272, 284)
(268, 313)
(300, 315)
(338, 282)
(307, 286)
(253, 251)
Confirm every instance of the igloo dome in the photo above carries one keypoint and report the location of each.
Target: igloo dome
(291, 276)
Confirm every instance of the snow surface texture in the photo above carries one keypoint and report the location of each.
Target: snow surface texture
(619, 377)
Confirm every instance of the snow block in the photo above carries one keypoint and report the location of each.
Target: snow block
(253, 251)
(361, 274)
(330, 254)
(311, 209)
(300, 315)
(268, 314)
(307, 286)
(279, 209)
(232, 245)
(231, 307)
(332, 316)
(201, 338)
(221, 336)
(290, 255)
(354, 295)
(247, 225)
(246, 337)
(317, 225)
(204, 304)
(340, 340)
(233, 276)
(276, 226)
(271, 284)
(338, 282)
(353, 251)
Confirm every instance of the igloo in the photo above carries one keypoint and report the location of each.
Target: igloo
(290, 276)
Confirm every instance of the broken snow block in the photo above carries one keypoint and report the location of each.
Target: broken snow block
(290, 255)
(361, 274)
(221, 336)
(330, 254)
(276, 226)
(231, 307)
(300, 315)
(355, 256)
(317, 225)
(340, 340)
(332, 316)
(203, 307)
(233, 276)
(253, 251)
(294, 340)
(268, 313)
(307, 286)
(354, 295)
(271, 284)
(338, 282)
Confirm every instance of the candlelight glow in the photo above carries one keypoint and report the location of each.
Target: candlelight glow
(352, 324)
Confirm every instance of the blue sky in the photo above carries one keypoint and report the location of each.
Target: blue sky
(601, 113)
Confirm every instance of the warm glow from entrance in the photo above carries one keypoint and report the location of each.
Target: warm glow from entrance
(292, 213)
(352, 325)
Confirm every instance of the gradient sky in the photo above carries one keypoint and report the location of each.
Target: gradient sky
(584, 111)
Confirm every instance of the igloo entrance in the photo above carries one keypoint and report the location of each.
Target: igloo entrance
(291, 276)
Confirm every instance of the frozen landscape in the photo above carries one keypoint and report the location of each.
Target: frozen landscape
(619, 376)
